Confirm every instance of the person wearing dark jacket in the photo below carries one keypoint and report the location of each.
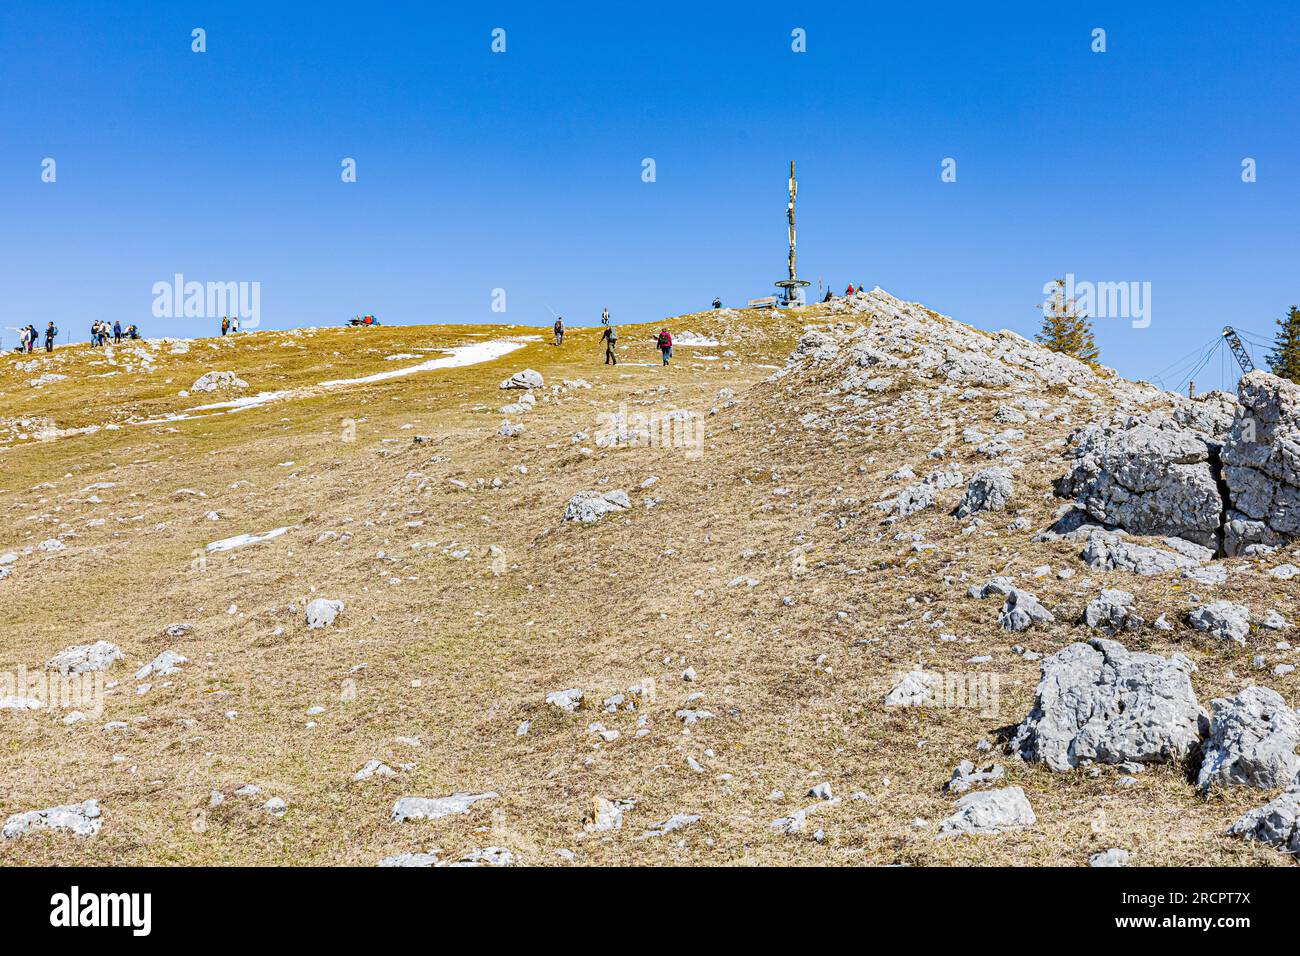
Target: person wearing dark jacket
(559, 330)
(50, 333)
(610, 338)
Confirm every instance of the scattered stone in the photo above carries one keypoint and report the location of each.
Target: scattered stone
(80, 819)
(990, 490)
(1222, 619)
(84, 658)
(966, 776)
(1022, 610)
(1111, 857)
(321, 612)
(431, 808)
(1112, 611)
(524, 379)
(214, 381)
(567, 700)
(990, 811)
(168, 662)
(590, 506)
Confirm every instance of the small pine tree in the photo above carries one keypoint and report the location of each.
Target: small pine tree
(1065, 328)
(1284, 361)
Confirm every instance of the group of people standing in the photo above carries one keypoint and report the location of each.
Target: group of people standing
(231, 323)
(663, 341)
(27, 337)
(101, 332)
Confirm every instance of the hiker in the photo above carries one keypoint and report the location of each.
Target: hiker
(849, 290)
(22, 339)
(117, 331)
(225, 324)
(559, 330)
(717, 302)
(131, 333)
(50, 333)
(234, 323)
(604, 317)
(829, 295)
(664, 343)
(610, 338)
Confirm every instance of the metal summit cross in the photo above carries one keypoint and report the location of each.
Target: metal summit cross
(792, 287)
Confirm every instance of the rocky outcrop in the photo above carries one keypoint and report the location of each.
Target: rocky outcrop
(1101, 702)
(1222, 474)
(1261, 464)
(1277, 823)
(1148, 476)
(1222, 619)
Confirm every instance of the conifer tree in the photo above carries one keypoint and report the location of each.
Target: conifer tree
(1285, 359)
(1065, 328)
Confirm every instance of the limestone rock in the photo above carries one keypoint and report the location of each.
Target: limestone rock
(588, 507)
(1101, 702)
(321, 613)
(84, 658)
(1222, 619)
(80, 819)
(990, 811)
(1252, 742)
(990, 490)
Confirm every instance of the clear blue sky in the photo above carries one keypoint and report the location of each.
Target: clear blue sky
(522, 170)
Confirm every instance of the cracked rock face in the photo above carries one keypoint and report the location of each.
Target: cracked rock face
(1252, 742)
(1219, 473)
(1148, 476)
(1262, 464)
(1101, 702)
(1109, 551)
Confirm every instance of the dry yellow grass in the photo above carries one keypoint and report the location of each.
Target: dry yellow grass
(459, 655)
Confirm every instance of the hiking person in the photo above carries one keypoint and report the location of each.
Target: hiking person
(50, 333)
(131, 333)
(717, 302)
(610, 337)
(117, 331)
(234, 323)
(664, 343)
(225, 324)
(559, 330)
(22, 339)
(849, 290)
(604, 317)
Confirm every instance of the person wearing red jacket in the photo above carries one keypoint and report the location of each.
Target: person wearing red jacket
(664, 343)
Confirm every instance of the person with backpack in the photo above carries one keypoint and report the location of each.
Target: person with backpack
(849, 290)
(225, 324)
(559, 330)
(604, 317)
(117, 331)
(50, 333)
(717, 302)
(610, 337)
(664, 343)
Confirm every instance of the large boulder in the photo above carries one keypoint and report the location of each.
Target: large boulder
(1252, 742)
(1261, 461)
(1101, 702)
